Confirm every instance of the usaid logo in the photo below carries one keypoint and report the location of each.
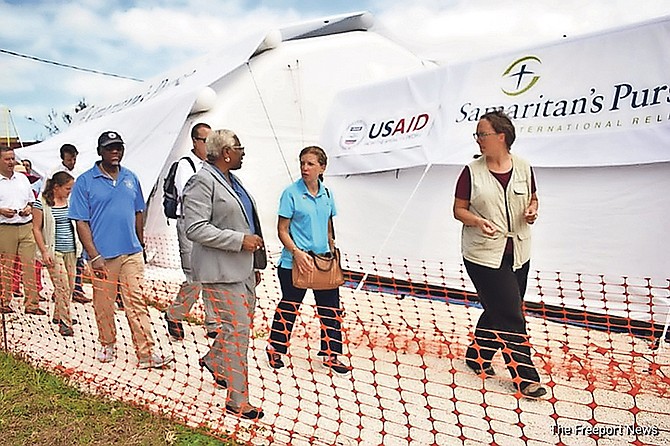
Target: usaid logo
(521, 75)
(396, 129)
(354, 133)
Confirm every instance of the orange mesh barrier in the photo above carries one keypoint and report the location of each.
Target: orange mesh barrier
(597, 342)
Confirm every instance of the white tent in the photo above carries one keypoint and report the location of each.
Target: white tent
(592, 115)
(273, 88)
(398, 131)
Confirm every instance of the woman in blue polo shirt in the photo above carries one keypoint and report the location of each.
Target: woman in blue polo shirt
(306, 209)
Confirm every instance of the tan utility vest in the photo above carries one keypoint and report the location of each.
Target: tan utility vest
(488, 200)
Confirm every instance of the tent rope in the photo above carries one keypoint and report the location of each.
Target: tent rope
(267, 116)
(396, 222)
(295, 77)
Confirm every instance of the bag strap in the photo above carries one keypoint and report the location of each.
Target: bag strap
(190, 161)
(330, 259)
(330, 219)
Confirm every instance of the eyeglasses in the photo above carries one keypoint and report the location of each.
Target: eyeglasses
(240, 148)
(479, 136)
(200, 139)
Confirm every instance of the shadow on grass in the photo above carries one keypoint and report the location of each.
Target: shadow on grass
(39, 408)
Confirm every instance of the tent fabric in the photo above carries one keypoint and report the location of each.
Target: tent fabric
(150, 116)
(329, 82)
(576, 103)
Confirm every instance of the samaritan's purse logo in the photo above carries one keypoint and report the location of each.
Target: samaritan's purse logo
(521, 71)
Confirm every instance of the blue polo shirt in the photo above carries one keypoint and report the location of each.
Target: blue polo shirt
(309, 217)
(244, 197)
(109, 207)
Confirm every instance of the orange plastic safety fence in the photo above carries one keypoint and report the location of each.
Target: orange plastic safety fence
(597, 342)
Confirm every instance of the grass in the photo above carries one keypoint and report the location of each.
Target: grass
(39, 408)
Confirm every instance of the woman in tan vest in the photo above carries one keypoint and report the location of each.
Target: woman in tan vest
(496, 202)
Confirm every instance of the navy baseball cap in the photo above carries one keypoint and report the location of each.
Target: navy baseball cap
(108, 138)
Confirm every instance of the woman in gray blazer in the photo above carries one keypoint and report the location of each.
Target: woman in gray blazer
(221, 220)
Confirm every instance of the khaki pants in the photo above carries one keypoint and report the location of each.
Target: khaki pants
(18, 240)
(234, 304)
(128, 271)
(62, 274)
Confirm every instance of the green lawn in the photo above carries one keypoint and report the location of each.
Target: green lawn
(39, 408)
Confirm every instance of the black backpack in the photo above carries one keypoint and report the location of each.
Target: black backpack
(170, 198)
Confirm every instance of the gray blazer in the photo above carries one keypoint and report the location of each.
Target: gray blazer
(216, 222)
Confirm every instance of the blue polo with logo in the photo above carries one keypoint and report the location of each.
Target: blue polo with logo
(309, 217)
(109, 206)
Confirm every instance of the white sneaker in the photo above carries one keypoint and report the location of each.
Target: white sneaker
(107, 353)
(155, 362)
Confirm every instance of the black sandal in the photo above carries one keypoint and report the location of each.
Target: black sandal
(252, 413)
(274, 358)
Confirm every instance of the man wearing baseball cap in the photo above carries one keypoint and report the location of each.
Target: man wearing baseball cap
(108, 205)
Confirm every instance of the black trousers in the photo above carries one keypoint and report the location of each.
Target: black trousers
(502, 325)
(327, 307)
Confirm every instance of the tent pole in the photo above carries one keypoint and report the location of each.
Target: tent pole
(13, 124)
(661, 340)
(396, 222)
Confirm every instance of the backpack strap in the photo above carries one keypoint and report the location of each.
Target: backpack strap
(190, 161)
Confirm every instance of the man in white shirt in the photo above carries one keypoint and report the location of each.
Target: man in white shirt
(16, 233)
(189, 290)
(68, 156)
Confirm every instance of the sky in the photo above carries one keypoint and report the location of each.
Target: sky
(141, 39)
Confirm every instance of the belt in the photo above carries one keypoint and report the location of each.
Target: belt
(16, 224)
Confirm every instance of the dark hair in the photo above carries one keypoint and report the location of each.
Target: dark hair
(501, 123)
(5, 149)
(58, 179)
(26, 160)
(320, 156)
(68, 148)
(198, 126)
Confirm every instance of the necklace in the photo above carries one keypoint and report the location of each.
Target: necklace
(108, 174)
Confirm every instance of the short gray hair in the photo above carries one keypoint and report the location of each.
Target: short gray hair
(217, 140)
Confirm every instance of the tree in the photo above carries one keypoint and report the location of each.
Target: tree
(54, 124)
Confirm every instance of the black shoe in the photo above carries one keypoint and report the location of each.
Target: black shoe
(336, 365)
(175, 328)
(80, 297)
(532, 390)
(249, 413)
(479, 370)
(274, 358)
(219, 381)
(57, 321)
(212, 334)
(65, 330)
(36, 312)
